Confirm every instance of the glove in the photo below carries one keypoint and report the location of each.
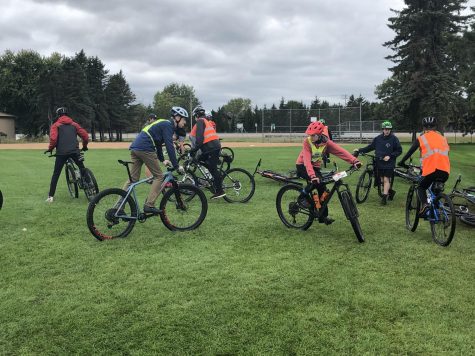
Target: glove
(356, 152)
(84, 148)
(181, 170)
(402, 164)
(47, 151)
(357, 164)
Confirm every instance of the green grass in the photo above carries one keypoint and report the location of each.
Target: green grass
(240, 284)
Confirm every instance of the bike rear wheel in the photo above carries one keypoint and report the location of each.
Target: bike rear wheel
(183, 208)
(351, 212)
(412, 209)
(90, 184)
(443, 220)
(363, 187)
(293, 208)
(71, 181)
(104, 219)
(239, 185)
(468, 219)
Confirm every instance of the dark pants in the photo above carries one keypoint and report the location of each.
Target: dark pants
(321, 188)
(211, 160)
(438, 175)
(58, 167)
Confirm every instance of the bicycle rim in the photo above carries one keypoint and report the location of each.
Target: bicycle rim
(71, 181)
(443, 220)
(294, 213)
(90, 184)
(183, 209)
(104, 219)
(239, 185)
(363, 187)
(412, 209)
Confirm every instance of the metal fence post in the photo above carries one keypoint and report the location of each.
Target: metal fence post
(339, 122)
(361, 127)
(262, 123)
(290, 125)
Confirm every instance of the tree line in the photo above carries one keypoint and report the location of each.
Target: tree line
(433, 53)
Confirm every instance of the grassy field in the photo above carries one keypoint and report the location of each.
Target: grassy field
(240, 284)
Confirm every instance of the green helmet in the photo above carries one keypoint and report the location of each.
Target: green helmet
(386, 125)
(322, 120)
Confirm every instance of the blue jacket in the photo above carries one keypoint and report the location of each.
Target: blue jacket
(384, 146)
(153, 136)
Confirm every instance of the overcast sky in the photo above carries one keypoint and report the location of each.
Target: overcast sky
(257, 49)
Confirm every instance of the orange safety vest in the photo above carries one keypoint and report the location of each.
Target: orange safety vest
(434, 153)
(209, 134)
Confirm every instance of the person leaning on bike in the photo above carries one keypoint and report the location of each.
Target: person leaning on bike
(204, 137)
(310, 159)
(147, 149)
(386, 147)
(62, 136)
(434, 151)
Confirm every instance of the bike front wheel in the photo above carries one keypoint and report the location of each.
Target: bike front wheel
(183, 208)
(442, 220)
(363, 187)
(109, 216)
(90, 184)
(71, 181)
(412, 209)
(239, 185)
(293, 208)
(351, 212)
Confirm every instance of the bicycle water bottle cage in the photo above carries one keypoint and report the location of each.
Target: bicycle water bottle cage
(438, 187)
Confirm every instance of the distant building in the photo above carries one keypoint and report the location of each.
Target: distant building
(7, 126)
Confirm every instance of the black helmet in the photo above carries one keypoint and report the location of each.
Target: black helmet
(429, 121)
(61, 111)
(199, 111)
(152, 117)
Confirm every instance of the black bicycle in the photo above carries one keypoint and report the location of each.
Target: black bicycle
(440, 213)
(365, 181)
(298, 210)
(464, 202)
(238, 184)
(75, 180)
(113, 212)
(226, 157)
(409, 173)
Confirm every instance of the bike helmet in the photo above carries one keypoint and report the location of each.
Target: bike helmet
(61, 111)
(152, 117)
(209, 116)
(178, 110)
(386, 125)
(429, 121)
(322, 120)
(199, 111)
(315, 128)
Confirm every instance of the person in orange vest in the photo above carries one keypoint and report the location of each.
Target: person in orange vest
(435, 162)
(204, 137)
(309, 161)
(209, 117)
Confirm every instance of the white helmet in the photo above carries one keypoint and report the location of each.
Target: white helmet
(178, 110)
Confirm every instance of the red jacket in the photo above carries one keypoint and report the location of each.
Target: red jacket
(68, 129)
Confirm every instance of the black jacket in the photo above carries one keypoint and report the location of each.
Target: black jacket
(384, 146)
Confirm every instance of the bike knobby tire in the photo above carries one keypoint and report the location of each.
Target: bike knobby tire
(363, 187)
(413, 206)
(104, 219)
(183, 208)
(238, 184)
(71, 181)
(443, 220)
(351, 212)
(90, 184)
(293, 208)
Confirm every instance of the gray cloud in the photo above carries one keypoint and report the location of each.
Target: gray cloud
(261, 50)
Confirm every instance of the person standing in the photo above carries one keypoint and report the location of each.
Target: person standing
(62, 136)
(387, 148)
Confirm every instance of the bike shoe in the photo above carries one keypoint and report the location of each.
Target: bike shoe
(151, 210)
(218, 195)
(326, 221)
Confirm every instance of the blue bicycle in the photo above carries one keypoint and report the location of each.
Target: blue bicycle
(440, 213)
(113, 212)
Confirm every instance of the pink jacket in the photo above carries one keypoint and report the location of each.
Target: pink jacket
(305, 156)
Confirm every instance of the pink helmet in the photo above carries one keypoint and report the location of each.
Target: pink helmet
(315, 128)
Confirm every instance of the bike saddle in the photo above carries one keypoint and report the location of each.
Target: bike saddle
(124, 162)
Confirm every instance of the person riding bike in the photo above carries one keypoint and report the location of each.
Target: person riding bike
(62, 136)
(204, 137)
(435, 162)
(387, 148)
(309, 161)
(147, 149)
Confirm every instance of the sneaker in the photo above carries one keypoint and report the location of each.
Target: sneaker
(326, 220)
(391, 195)
(384, 199)
(151, 210)
(218, 195)
(49, 200)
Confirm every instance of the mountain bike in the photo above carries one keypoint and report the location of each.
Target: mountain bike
(113, 212)
(440, 213)
(464, 203)
(409, 173)
(299, 210)
(75, 180)
(364, 182)
(238, 184)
